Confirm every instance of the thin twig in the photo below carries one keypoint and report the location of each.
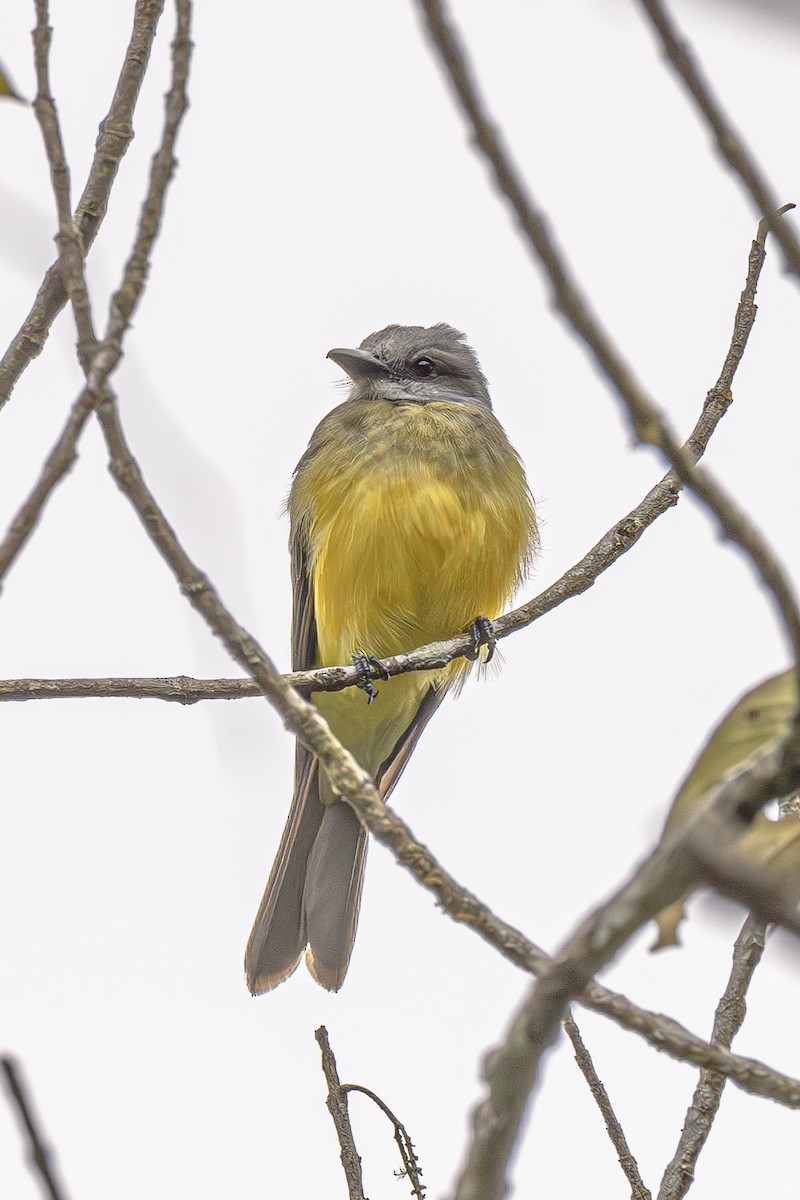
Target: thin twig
(728, 1019)
(337, 1107)
(41, 1156)
(56, 465)
(615, 1131)
(70, 247)
(116, 132)
(162, 168)
(180, 689)
(647, 422)
(679, 53)
(411, 1168)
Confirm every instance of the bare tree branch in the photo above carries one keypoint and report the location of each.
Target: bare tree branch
(116, 132)
(337, 1107)
(728, 1020)
(179, 689)
(162, 168)
(411, 1168)
(615, 1131)
(665, 1034)
(678, 53)
(40, 1155)
(56, 465)
(647, 422)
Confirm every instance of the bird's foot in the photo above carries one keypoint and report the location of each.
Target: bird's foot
(482, 633)
(365, 664)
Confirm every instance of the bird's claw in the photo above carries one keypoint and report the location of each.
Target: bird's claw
(482, 633)
(365, 664)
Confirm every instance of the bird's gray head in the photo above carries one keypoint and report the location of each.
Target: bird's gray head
(409, 364)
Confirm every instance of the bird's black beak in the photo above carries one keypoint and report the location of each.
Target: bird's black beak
(359, 364)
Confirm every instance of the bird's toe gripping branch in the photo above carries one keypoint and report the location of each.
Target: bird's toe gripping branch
(482, 633)
(365, 665)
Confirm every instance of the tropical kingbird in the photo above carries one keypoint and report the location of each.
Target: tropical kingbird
(410, 521)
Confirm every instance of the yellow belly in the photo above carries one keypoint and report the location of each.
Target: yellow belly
(418, 520)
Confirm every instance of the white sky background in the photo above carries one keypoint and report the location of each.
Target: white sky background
(326, 188)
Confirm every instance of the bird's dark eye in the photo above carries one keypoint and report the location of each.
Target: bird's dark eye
(423, 367)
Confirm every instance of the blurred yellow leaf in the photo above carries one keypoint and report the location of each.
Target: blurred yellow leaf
(6, 86)
(752, 728)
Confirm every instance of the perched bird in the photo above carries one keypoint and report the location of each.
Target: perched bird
(410, 518)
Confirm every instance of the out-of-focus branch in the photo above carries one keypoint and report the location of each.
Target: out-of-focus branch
(648, 423)
(615, 1131)
(679, 54)
(728, 1019)
(337, 1107)
(116, 132)
(512, 1069)
(40, 1155)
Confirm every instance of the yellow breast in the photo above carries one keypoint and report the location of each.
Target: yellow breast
(417, 519)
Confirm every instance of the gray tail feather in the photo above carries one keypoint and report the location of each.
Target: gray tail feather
(313, 893)
(332, 894)
(278, 938)
(314, 890)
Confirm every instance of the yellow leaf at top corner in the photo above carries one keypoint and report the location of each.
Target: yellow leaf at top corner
(7, 88)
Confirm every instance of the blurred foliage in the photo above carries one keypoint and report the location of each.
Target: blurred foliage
(751, 729)
(6, 86)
